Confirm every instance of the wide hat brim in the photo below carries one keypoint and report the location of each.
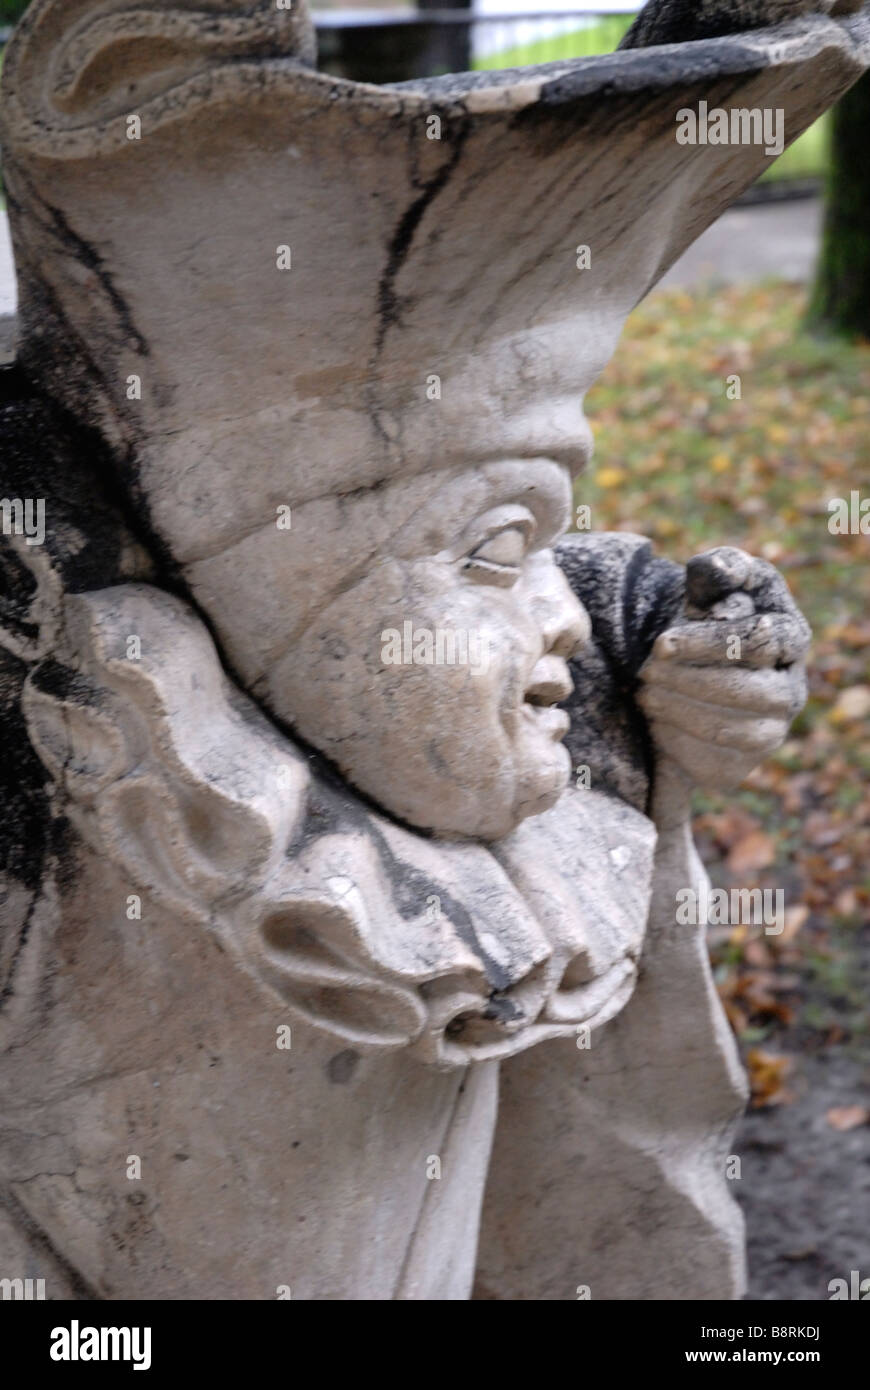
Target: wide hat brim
(411, 256)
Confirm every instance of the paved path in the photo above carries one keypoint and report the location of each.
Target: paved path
(751, 243)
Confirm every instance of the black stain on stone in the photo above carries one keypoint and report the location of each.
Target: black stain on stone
(342, 1066)
(24, 828)
(49, 456)
(412, 889)
(83, 252)
(501, 1009)
(389, 307)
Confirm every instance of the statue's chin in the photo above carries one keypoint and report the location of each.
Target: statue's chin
(542, 791)
(485, 816)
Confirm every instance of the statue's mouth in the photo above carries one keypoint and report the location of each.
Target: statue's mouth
(548, 719)
(551, 683)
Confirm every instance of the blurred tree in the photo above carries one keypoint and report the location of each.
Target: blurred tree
(12, 10)
(840, 301)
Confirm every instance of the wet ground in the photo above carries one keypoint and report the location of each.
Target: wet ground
(805, 1185)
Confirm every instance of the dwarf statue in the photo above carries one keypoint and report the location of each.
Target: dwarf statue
(345, 798)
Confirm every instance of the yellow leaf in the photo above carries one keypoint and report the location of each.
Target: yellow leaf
(852, 704)
(610, 477)
(777, 434)
(767, 1074)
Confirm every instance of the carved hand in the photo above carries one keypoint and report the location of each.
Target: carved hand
(722, 685)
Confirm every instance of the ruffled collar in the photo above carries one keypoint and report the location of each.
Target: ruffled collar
(380, 936)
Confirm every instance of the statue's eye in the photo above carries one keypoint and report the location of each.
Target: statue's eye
(499, 559)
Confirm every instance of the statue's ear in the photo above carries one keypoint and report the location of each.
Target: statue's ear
(79, 63)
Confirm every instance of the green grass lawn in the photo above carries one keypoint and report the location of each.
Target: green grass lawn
(807, 158)
(601, 37)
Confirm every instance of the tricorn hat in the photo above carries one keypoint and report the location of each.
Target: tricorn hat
(282, 260)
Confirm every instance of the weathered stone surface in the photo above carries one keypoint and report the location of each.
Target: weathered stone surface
(8, 331)
(234, 806)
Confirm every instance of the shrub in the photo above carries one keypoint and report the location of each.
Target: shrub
(12, 10)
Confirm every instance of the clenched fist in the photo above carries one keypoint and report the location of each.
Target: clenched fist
(722, 685)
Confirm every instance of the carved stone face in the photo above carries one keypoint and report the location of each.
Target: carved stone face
(429, 641)
(463, 739)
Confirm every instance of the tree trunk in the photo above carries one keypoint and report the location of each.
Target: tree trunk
(840, 301)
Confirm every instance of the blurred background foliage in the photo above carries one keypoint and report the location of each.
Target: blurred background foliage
(682, 463)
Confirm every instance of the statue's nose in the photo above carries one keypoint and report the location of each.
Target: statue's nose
(565, 624)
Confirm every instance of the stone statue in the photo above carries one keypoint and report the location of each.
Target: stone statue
(345, 798)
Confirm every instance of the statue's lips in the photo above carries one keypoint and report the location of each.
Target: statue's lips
(550, 684)
(548, 720)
